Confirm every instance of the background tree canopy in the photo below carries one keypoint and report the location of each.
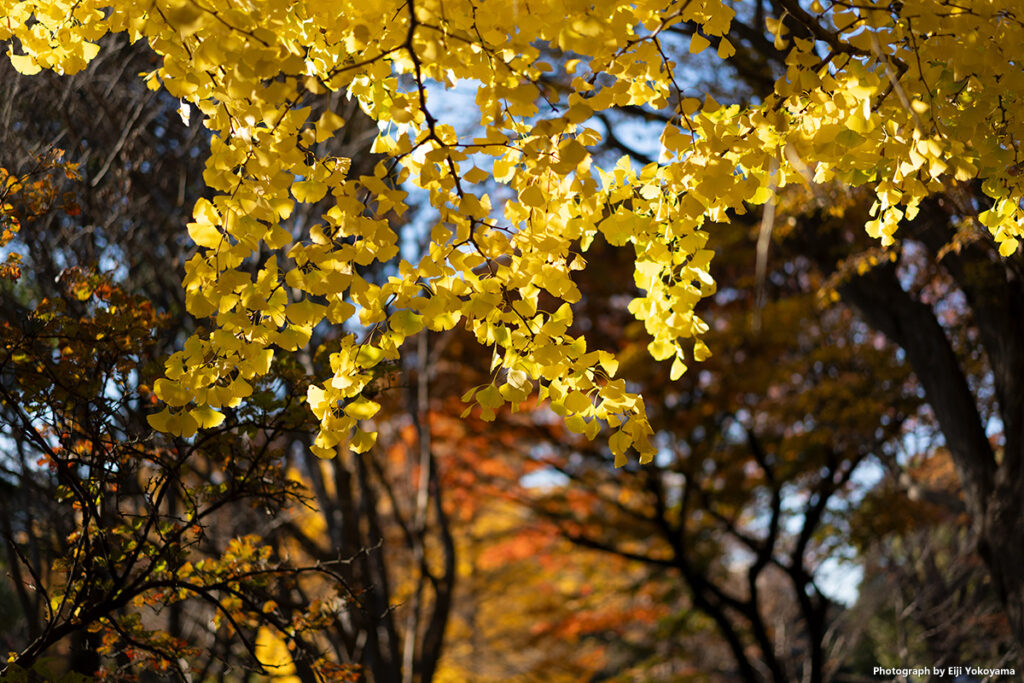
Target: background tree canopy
(455, 339)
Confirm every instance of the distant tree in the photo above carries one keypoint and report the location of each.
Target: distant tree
(926, 595)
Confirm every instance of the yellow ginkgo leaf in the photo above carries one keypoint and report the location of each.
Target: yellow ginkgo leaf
(309, 191)
(206, 417)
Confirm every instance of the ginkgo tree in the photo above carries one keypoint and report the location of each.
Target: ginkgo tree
(867, 96)
(879, 105)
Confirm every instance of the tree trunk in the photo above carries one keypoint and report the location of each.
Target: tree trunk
(993, 486)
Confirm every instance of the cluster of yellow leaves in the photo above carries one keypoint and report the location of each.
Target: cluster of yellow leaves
(885, 107)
